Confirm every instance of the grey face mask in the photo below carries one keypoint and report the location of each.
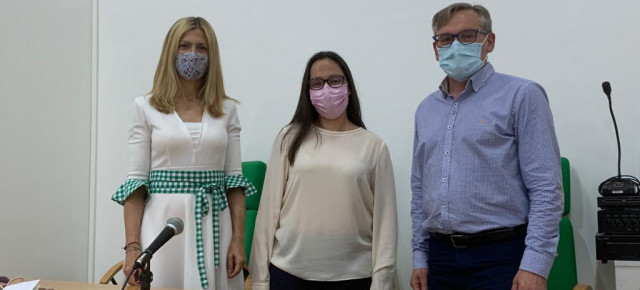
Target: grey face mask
(191, 65)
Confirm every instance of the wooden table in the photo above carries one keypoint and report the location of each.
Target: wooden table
(64, 285)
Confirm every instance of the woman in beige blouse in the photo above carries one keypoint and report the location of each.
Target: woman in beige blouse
(327, 217)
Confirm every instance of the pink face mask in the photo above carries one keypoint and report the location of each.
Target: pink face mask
(330, 102)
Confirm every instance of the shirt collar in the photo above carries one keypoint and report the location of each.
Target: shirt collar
(477, 80)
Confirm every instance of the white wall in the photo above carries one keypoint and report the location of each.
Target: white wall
(45, 122)
(569, 47)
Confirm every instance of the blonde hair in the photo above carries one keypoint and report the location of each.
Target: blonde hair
(166, 86)
(444, 16)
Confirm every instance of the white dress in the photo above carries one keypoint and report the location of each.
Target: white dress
(162, 142)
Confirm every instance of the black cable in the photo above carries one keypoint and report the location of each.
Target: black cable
(126, 282)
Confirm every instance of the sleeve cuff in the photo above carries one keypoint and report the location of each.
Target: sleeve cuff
(238, 180)
(420, 259)
(127, 188)
(536, 262)
(383, 280)
(260, 286)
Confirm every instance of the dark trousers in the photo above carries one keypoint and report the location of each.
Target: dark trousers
(491, 266)
(281, 280)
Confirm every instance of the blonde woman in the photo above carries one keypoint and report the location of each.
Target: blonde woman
(185, 162)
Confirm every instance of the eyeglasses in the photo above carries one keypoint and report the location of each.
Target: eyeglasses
(334, 81)
(464, 37)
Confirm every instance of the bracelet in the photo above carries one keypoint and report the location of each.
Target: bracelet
(129, 244)
(132, 249)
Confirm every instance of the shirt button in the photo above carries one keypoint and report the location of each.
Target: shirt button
(444, 179)
(455, 104)
(446, 153)
(449, 127)
(453, 112)
(444, 207)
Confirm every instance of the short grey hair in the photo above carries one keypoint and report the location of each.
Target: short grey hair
(444, 16)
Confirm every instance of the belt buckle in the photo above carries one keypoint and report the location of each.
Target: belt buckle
(452, 237)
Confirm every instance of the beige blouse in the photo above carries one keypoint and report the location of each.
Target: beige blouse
(332, 215)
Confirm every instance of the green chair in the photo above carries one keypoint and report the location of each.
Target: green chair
(254, 171)
(564, 274)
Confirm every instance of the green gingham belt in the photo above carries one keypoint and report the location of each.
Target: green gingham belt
(199, 183)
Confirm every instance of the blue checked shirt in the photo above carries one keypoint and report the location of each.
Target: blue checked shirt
(485, 160)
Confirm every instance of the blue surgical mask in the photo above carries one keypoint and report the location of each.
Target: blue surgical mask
(461, 61)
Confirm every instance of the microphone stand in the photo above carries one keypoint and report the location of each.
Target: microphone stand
(143, 262)
(607, 90)
(619, 184)
(145, 276)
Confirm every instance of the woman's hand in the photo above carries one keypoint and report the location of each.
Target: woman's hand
(235, 255)
(133, 210)
(235, 258)
(130, 259)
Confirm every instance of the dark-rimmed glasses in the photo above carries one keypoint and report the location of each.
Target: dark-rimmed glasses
(334, 81)
(464, 37)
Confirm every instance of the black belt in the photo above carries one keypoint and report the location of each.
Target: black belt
(462, 240)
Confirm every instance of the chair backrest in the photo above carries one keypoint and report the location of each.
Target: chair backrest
(254, 171)
(564, 274)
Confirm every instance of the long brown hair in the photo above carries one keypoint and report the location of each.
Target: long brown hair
(303, 119)
(166, 86)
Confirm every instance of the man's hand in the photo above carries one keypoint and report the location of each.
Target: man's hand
(419, 279)
(526, 280)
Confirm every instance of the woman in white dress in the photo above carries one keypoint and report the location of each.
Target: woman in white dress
(185, 162)
(327, 216)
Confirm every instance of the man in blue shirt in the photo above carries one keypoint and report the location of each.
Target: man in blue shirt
(486, 177)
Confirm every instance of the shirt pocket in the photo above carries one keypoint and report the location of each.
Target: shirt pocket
(489, 131)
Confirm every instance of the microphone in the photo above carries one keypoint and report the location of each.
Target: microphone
(174, 227)
(606, 88)
(619, 184)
